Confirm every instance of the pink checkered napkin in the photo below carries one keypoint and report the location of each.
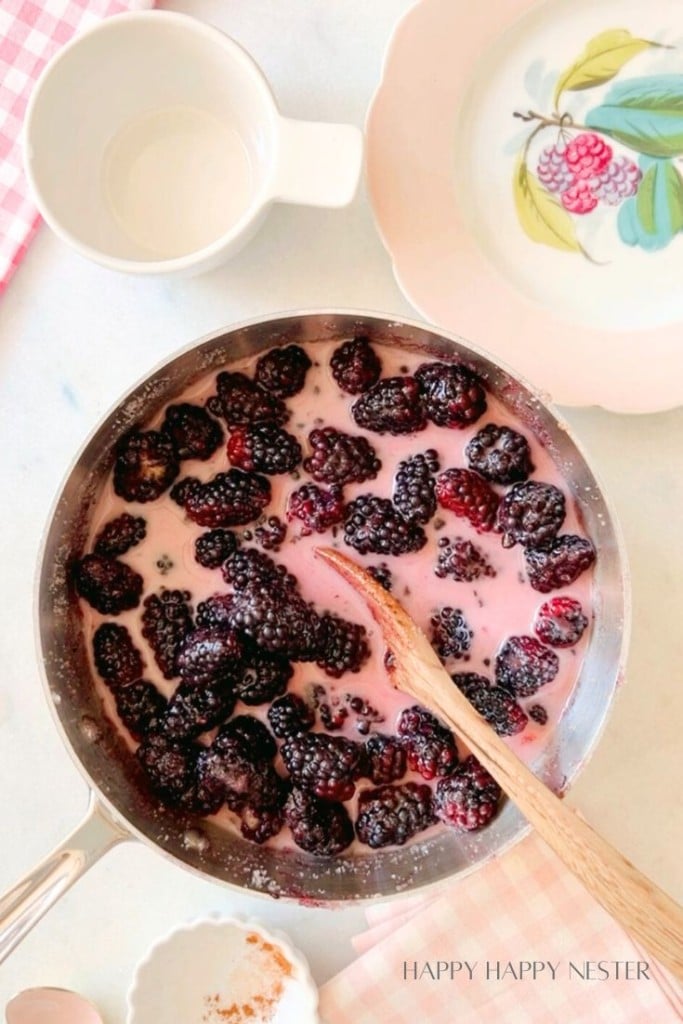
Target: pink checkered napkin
(524, 906)
(31, 31)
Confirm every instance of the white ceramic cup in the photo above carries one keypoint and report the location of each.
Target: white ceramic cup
(153, 144)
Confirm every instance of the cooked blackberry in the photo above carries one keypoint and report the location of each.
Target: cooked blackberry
(461, 560)
(385, 759)
(260, 823)
(228, 771)
(265, 676)
(452, 395)
(240, 400)
(215, 611)
(338, 458)
(332, 715)
(194, 434)
(316, 508)
(344, 646)
(280, 622)
(171, 770)
(320, 827)
(212, 548)
(451, 636)
(282, 371)
(192, 709)
(140, 707)
(355, 366)
(559, 562)
(430, 747)
(109, 586)
(468, 496)
(264, 448)
(326, 765)
(538, 713)
(496, 704)
(523, 665)
(382, 575)
(372, 524)
(166, 621)
(414, 487)
(117, 659)
(290, 715)
(468, 798)
(253, 734)
(250, 567)
(120, 535)
(210, 655)
(499, 454)
(530, 514)
(392, 406)
(271, 534)
(390, 815)
(560, 622)
(233, 498)
(146, 465)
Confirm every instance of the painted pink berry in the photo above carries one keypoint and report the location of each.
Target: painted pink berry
(579, 198)
(619, 181)
(553, 170)
(587, 155)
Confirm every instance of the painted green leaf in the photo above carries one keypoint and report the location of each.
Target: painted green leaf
(542, 217)
(603, 58)
(645, 114)
(655, 214)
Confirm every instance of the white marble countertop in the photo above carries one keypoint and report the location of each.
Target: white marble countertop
(74, 336)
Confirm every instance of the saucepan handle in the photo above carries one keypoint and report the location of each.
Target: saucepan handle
(26, 902)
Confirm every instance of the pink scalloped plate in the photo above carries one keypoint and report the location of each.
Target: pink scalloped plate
(507, 222)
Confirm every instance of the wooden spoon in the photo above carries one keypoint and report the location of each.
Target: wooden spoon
(651, 917)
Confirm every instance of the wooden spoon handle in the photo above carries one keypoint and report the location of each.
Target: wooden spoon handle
(643, 909)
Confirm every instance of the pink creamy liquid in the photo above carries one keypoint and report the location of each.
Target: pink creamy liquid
(495, 608)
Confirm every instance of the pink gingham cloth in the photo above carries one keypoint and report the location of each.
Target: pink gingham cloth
(31, 31)
(524, 906)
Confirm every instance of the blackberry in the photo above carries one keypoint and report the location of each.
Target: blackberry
(344, 646)
(523, 665)
(414, 487)
(530, 514)
(382, 575)
(430, 747)
(390, 815)
(146, 465)
(209, 656)
(253, 734)
(461, 560)
(318, 509)
(290, 715)
(264, 448)
(212, 548)
(192, 710)
(260, 823)
(326, 765)
(140, 707)
(215, 611)
(452, 395)
(499, 454)
(120, 535)
(193, 433)
(271, 533)
(451, 636)
(117, 659)
(250, 567)
(318, 826)
(392, 406)
(233, 498)
(166, 621)
(355, 366)
(559, 562)
(282, 371)
(229, 771)
(385, 759)
(468, 798)
(538, 713)
(338, 458)
(560, 622)
(109, 586)
(468, 496)
(494, 703)
(265, 677)
(171, 770)
(372, 524)
(240, 400)
(280, 623)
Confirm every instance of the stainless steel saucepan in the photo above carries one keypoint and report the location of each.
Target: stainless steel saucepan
(120, 807)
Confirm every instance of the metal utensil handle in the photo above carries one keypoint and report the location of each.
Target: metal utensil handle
(26, 902)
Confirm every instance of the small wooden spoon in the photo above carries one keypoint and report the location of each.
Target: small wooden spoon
(651, 917)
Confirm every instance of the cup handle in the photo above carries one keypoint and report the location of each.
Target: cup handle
(318, 164)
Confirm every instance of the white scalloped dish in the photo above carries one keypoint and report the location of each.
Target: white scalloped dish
(580, 291)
